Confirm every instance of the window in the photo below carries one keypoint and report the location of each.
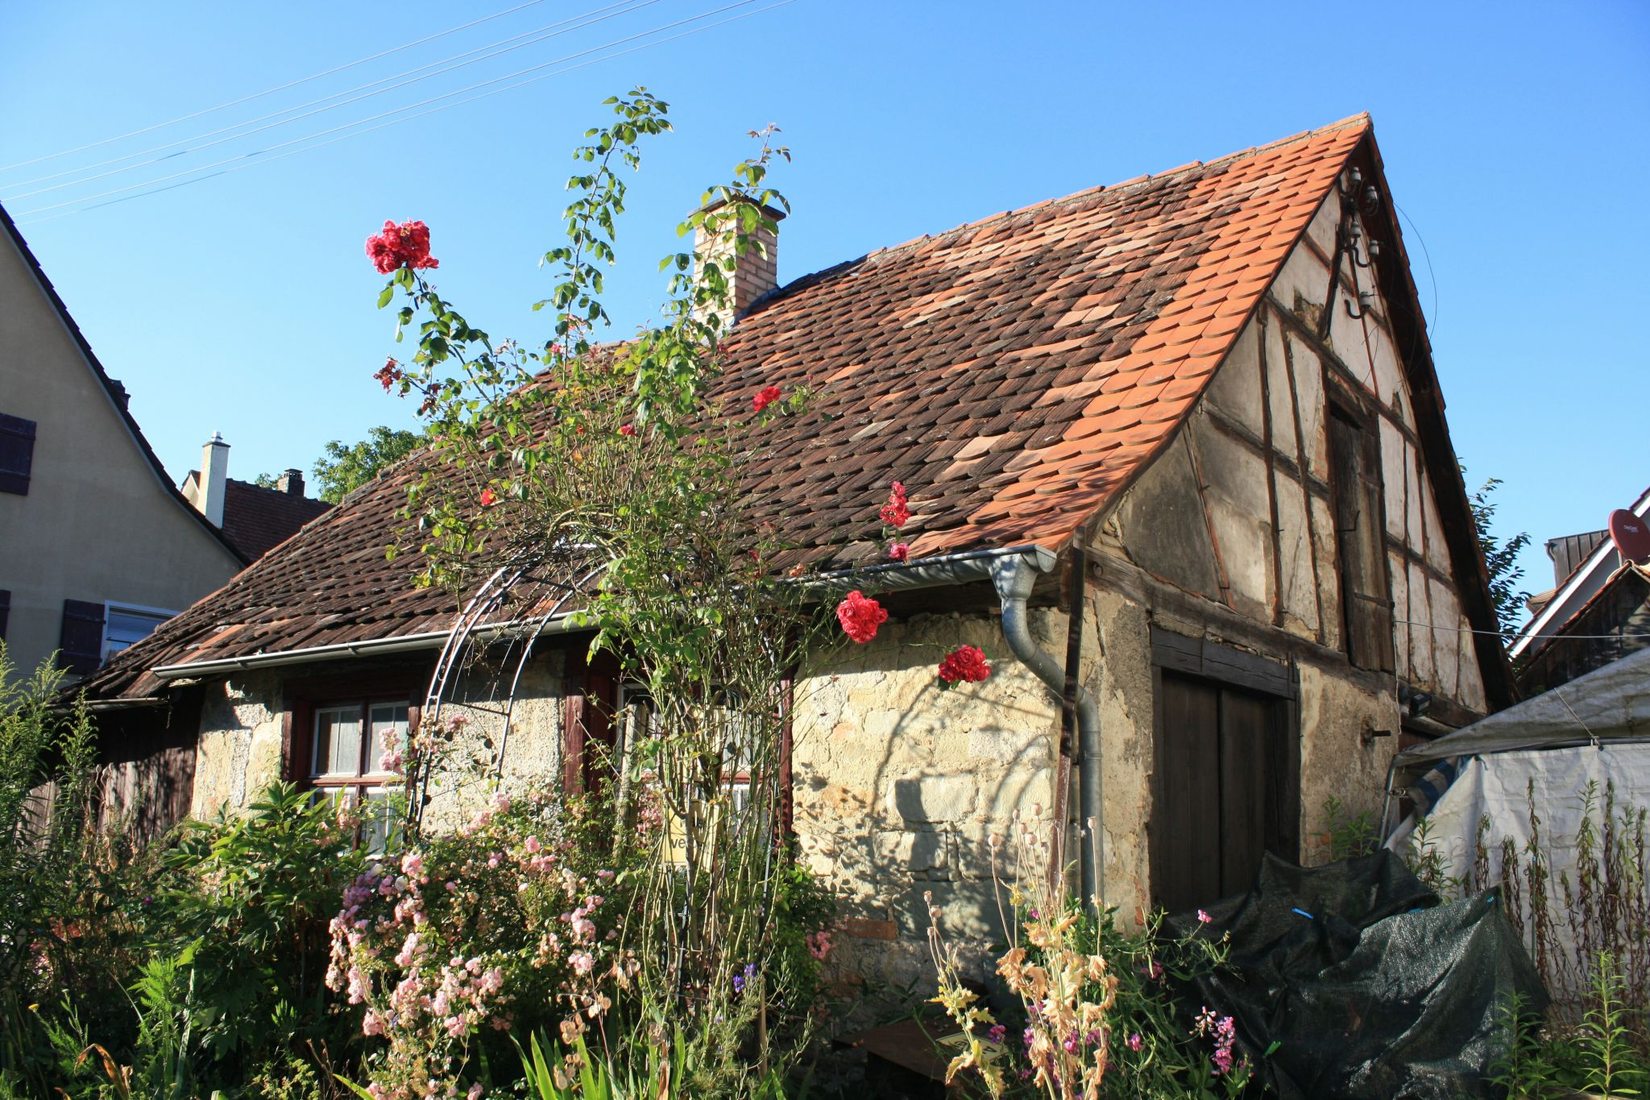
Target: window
(1360, 541)
(125, 624)
(16, 454)
(5, 610)
(347, 746)
(94, 632)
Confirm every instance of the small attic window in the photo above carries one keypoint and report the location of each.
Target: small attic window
(16, 454)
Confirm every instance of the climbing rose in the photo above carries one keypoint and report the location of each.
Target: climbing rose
(765, 396)
(405, 244)
(899, 551)
(488, 498)
(964, 663)
(895, 512)
(860, 616)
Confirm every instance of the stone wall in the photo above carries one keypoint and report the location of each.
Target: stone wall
(900, 784)
(243, 727)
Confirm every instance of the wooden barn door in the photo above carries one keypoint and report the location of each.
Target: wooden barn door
(1228, 789)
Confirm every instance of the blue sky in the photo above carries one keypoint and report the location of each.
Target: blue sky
(239, 298)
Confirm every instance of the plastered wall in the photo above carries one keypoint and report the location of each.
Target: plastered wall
(97, 523)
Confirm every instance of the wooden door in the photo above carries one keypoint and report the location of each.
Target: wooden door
(1228, 790)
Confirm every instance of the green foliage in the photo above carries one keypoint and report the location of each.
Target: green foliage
(343, 469)
(249, 903)
(1500, 558)
(1600, 1055)
(70, 893)
(1350, 835)
(605, 461)
(1613, 1066)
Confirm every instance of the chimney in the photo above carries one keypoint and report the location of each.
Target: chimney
(291, 482)
(214, 475)
(750, 273)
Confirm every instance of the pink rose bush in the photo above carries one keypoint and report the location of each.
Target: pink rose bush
(450, 947)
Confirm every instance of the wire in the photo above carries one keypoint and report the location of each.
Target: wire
(1426, 255)
(1518, 633)
(405, 78)
(245, 160)
(269, 91)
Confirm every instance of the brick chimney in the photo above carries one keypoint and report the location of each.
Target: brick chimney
(291, 482)
(751, 273)
(214, 477)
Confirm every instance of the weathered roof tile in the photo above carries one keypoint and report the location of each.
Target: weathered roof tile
(1016, 373)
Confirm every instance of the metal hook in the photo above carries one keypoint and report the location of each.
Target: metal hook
(1366, 303)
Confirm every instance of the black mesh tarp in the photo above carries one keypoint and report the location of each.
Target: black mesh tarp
(1362, 985)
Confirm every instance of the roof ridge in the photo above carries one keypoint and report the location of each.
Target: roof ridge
(114, 391)
(1361, 119)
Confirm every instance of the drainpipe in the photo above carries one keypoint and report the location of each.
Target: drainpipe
(1014, 577)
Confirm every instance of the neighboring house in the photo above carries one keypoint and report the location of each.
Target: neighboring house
(253, 518)
(96, 545)
(1140, 447)
(1599, 613)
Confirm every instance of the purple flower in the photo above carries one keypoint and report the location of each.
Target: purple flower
(997, 1033)
(744, 978)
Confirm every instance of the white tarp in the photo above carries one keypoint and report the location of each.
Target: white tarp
(1503, 786)
(1556, 756)
(1608, 704)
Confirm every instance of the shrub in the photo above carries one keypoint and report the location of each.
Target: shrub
(1093, 1003)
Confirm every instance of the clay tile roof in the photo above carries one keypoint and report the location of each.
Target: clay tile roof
(257, 520)
(1015, 373)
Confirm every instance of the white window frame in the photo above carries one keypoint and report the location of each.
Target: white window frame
(368, 782)
(112, 607)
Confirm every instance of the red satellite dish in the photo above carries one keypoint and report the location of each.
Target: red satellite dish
(1631, 536)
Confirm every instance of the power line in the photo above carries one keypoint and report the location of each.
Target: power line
(271, 91)
(1518, 633)
(246, 161)
(405, 78)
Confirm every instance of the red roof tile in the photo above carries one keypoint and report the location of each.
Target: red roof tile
(1016, 373)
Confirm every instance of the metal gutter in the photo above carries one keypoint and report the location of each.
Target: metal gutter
(1014, 577)
(411, 643)
(960, 568)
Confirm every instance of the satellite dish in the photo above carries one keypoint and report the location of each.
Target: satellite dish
(1631, 536)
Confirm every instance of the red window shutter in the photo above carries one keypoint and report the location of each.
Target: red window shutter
(80, 647)
(16, 454)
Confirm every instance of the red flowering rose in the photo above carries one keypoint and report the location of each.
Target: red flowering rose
(895, 512)
(860, 616)
(964, 663)
(899, 551)
(627, 429)
(488, 498)
(407, 243)
(765, 396)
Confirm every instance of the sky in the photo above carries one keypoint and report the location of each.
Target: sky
(198, 178)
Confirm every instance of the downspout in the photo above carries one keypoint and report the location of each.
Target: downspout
(1014, 578)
